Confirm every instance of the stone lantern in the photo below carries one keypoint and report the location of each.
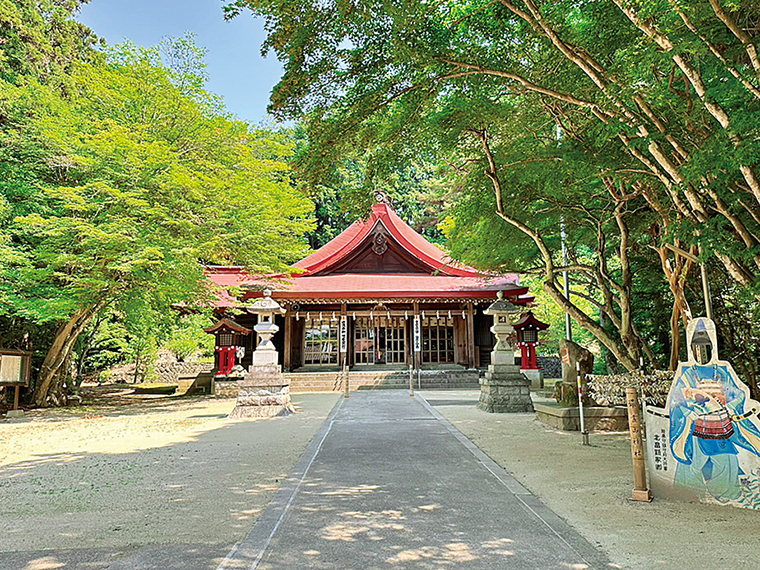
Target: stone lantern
(504, 388)
(266, 308)
(264, 391)
(502, 329)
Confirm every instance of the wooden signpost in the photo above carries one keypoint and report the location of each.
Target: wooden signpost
(640, 489)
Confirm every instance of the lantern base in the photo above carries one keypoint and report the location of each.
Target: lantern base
(504, 390)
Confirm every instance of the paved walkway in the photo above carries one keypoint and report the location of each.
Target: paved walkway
(389, 483)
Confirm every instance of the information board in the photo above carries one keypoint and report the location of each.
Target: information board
(14, 367)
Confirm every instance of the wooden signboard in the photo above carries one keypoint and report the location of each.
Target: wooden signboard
(417, 334)
(15, 367)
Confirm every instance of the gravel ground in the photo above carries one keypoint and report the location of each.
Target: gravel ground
(589, 486)
(152, 472)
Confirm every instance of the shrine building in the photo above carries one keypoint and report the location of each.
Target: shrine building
(354, 303)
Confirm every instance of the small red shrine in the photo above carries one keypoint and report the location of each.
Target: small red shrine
(230, 344)
(527, 339)
(354, 302)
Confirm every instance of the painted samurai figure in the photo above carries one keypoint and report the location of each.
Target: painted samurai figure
(711, 419)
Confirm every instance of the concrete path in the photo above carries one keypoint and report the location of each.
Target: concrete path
(389, 483)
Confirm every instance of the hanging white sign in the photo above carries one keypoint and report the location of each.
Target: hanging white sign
(417, 334)
(343, 334)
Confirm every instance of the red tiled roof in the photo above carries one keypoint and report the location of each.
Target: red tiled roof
(341, 246)
(376, 286)
(529, 320)
(227, 324)
(446, 279)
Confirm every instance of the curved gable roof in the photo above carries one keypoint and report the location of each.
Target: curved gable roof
(338, 249)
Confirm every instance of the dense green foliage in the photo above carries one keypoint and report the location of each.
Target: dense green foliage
(632, 124)
(117, 187)
(41, 41)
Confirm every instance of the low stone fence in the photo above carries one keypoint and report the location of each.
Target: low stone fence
(165, 372)
(598, 418)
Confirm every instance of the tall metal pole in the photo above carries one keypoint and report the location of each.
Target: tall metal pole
(584, 433)
(568, 322)
(705, 288)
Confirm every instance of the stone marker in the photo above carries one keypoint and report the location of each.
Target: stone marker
(504, 388)
(571, 354)
(264, 392)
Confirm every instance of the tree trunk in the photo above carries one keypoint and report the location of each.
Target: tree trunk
(63, 343)
(87, 348)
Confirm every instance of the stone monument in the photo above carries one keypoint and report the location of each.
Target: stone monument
(263, 391)
(504, 388)
(574, 357)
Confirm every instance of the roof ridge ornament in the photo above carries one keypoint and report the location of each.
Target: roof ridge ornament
(383, 198)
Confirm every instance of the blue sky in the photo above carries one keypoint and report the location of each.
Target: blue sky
(236, 69)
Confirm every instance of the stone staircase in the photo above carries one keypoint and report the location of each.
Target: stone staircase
(305, 382)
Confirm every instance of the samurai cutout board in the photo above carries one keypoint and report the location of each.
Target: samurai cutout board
(705, 444)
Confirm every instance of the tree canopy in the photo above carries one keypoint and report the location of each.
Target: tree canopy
(632, 125)
(119, 187)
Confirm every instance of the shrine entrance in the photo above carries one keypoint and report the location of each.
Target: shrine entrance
(380, 340)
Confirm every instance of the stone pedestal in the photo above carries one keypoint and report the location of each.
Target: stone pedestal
(536, 377)
(504, 390)
(14, 414)
(263, 393)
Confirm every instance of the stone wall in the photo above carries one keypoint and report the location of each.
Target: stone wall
(225, 388)
(551, 365)
(165, 372)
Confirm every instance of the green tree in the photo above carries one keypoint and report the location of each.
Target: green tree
(136, 178)
(657, 103)
(187, 337)
(40, 40)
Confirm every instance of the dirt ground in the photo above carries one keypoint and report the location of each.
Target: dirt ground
(124, 474)
(590, 487)
(85, 484)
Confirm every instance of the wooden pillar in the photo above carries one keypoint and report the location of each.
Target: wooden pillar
(408, 341)
(286, 356)
(471, 336)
